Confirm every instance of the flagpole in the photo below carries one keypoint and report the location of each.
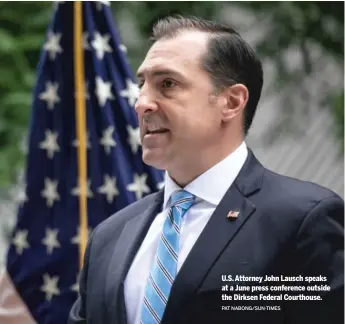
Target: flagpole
(80, 125)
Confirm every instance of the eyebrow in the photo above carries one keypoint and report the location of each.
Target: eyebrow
(159, 72)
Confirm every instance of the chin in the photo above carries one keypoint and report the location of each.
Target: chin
(154, 160)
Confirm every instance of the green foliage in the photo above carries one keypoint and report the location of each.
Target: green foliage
(22, 30)
(305, 27)
(299, 22)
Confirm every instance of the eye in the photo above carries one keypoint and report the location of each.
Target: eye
(140, 83)
(168, 84)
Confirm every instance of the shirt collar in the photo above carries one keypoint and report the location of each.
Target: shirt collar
(212, 185)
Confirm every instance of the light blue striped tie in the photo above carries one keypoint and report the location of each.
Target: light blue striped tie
(164, 269)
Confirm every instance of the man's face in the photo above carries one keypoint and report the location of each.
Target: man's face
(178, 118)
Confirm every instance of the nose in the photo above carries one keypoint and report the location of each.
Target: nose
(145, 103)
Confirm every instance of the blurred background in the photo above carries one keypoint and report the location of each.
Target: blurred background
(299, 126)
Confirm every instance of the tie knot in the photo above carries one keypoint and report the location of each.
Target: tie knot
(182, 199)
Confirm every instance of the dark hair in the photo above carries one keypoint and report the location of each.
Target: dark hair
(229, 59)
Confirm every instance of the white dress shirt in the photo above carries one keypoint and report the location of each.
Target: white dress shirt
(209, 188)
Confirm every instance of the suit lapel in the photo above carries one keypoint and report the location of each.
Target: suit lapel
(125, 250)
(218, 233)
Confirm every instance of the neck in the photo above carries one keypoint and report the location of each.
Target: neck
(189, 170)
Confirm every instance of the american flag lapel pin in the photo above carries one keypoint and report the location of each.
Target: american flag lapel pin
(233, 214)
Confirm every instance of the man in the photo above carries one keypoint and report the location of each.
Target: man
(166, 258)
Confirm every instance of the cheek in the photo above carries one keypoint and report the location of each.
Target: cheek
(191, 115)
(202, 119)
(194, 129)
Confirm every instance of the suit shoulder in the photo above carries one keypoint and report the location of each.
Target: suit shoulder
(288, 201)
(292, 188)
(298, 186)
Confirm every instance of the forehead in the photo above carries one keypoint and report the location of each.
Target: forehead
(181, 53)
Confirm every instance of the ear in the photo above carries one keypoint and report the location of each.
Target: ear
(237, 98)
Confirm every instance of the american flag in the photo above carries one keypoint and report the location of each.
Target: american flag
(43, 259)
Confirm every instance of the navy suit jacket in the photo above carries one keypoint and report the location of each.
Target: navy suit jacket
(284, 227)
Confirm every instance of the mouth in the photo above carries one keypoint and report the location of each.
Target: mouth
(157, 131)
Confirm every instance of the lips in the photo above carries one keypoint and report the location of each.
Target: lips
(158, 131)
